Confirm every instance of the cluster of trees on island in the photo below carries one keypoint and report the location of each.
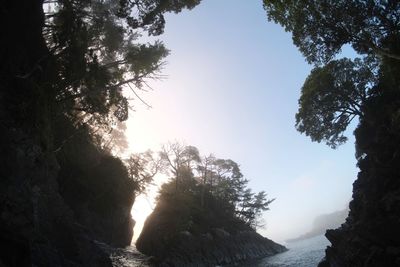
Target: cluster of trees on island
(205, 180)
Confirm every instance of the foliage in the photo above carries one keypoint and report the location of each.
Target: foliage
(142, 167)
(178, 159)
(98, 53)
(332, 96)
(210, 184)
(336, 92)
(97, 49)
(321, 28)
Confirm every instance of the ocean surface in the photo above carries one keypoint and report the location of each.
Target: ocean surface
(304, 253)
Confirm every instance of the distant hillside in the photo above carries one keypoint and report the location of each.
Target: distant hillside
(324, 222)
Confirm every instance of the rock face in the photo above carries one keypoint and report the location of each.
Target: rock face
(371, 234)
(101, 197)
(211, 249)
(216, 247)
(37, 226)
(97, 188)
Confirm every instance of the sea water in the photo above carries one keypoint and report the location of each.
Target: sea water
(304, 253)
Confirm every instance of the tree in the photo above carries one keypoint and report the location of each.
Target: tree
(180, 159)
(216, 183)
(321, 28)
(204, 174)
(260, 204)
(332, 96)
(142, 167)
(337, 91)
(97, 50)
(111, 137)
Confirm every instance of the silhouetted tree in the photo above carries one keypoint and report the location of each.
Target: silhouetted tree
(335, 93)
(179, 158)
(210, 182)
(332, 96)
(204, 174)
(321, 28)
(142, 167)
(111, 137)
(97, 48)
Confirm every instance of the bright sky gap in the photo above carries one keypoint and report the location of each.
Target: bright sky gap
(232, 84)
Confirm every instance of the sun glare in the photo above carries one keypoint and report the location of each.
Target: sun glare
(141, 209)
(144, 205)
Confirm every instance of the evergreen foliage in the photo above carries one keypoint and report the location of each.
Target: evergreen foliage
(320, 28)
(208, 187)
(337, 90)
(99, 55)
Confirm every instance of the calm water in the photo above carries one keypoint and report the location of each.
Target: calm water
(305, 253)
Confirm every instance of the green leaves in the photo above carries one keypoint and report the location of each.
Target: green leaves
(214, 181)
(97, 52)
(332, 96)
(336, 90)
(144, 60)
(320, 28)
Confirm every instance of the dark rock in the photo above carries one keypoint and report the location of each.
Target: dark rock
(371, 235)
(37, 227)
(204, 249)
(99, 192)
(220, 233)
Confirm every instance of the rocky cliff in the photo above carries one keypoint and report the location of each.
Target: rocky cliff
(371, 234)
(96, 186)
(38, 226)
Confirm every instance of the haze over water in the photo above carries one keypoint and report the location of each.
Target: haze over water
(304, 253)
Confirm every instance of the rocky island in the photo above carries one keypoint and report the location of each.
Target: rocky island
(205, 215)
(214, 247)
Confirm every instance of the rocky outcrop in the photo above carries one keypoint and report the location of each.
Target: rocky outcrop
(37, 226)
(101, 197)
(97, 187)
(371, 235)
(210, 249)
(169, 247)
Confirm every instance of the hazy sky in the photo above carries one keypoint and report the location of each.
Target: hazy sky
(232, 86)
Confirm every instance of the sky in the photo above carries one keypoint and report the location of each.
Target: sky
(231, 88)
